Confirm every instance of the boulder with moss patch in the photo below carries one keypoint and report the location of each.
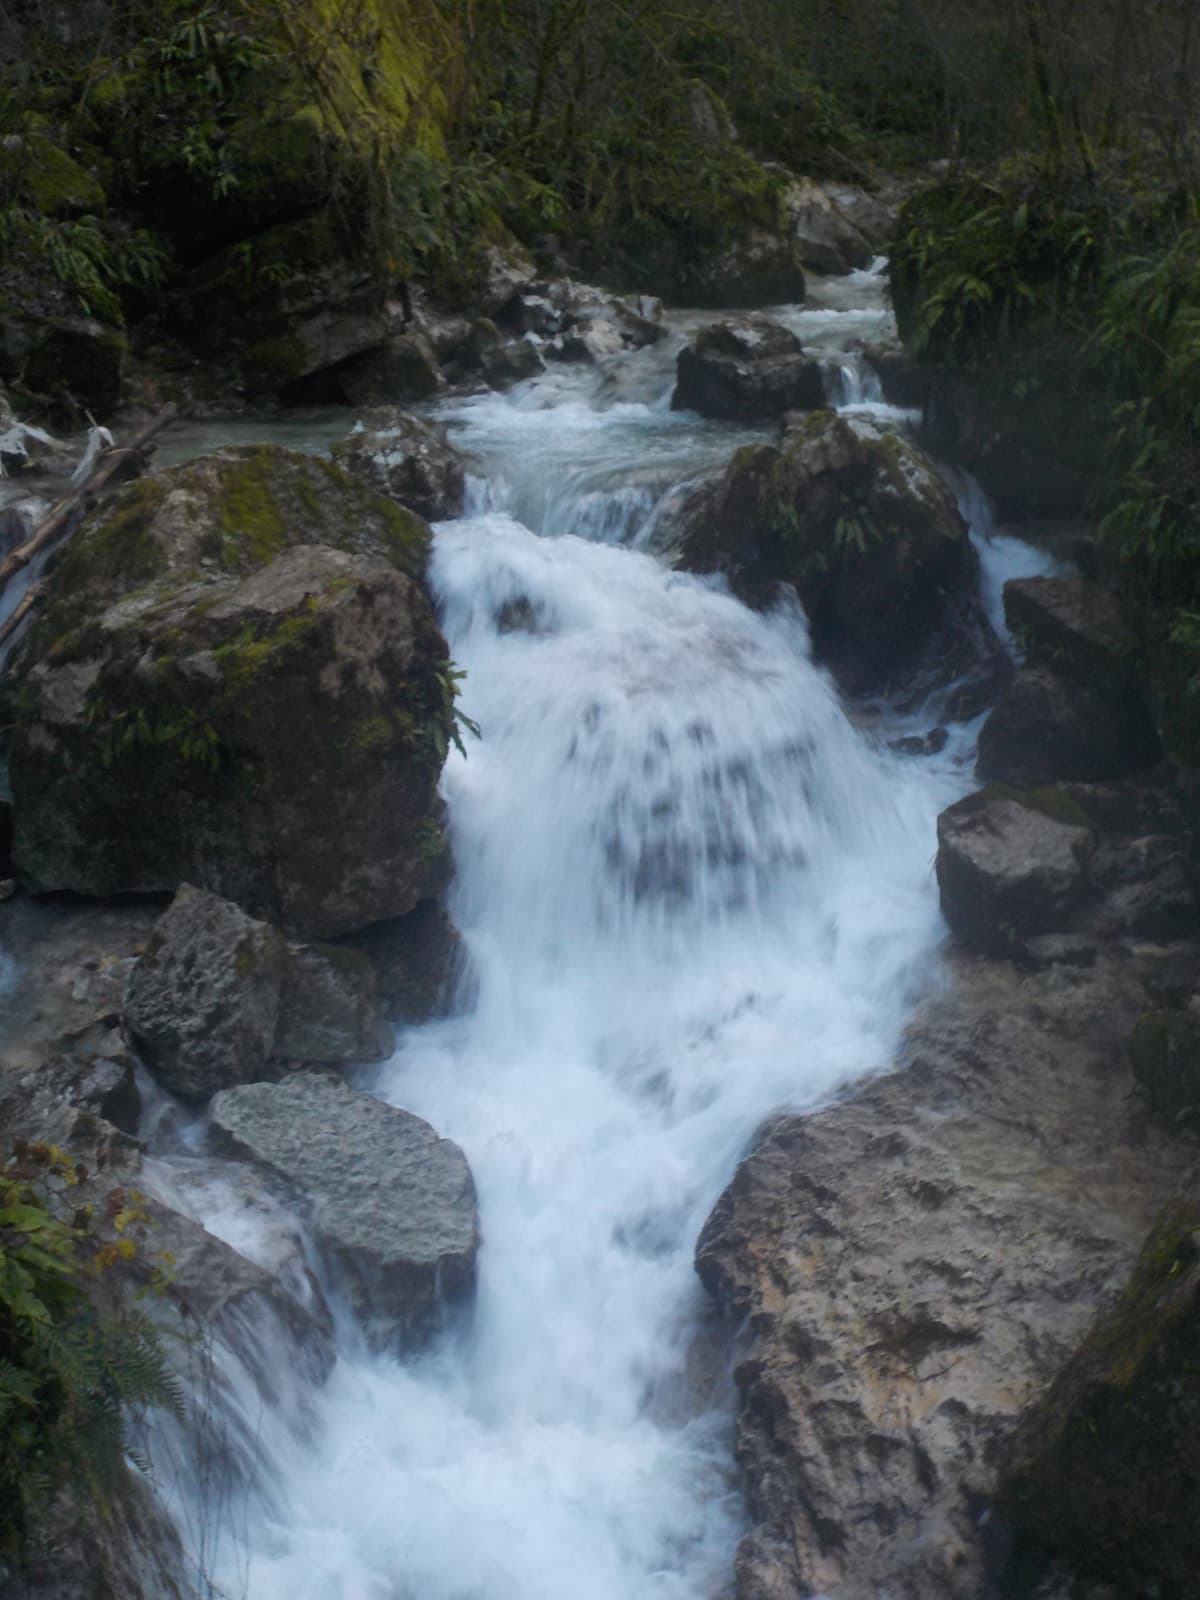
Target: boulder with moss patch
(238, 682)
(1012, 866)
(1105, 1469)
(857, 520)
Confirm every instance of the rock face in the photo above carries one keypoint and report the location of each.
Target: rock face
(1106, 1467)
(1165, 1052)
(241, 644)
(837, 226)
(740, 371)
(414, 959)
(216, 995)
(408, 458)
(1073, 712)
(864, 529)
(912, 1266)
(761, 268)
(1008, 871)
(392, 1204)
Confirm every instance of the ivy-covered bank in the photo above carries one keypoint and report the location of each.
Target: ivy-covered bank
(1054, 310)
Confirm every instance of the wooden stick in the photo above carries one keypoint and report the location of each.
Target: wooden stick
(57, 520)
(21, 610)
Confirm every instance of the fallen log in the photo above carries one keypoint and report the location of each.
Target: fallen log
(20, 611)
(56, 522)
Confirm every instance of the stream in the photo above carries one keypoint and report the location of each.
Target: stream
(692, 891)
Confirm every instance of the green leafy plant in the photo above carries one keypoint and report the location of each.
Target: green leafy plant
(68, 1372)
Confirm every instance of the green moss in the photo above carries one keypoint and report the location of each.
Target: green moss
(246, 656)
(271, 363)
(1052, 802)
(57, 185)
(249, 514)
(367, 734)
(405, 535)
(121, 550)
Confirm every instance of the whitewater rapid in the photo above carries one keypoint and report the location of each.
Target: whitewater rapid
(690, 893)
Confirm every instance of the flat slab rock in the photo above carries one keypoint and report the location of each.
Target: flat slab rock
(912, 1267)
(392, 1204)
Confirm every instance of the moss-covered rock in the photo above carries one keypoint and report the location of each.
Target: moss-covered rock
(192, 702)
(1106, 1468)
(867, 533)
(1165, 1052)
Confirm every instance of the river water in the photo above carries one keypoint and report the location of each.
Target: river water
(691, 891)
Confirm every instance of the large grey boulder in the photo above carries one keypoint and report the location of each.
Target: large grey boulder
(238, 682)
(746, 369)
(837, 226)
(217, 994)
(392, 1204)
(408, 458)
(1008, 869)
(906, 1269)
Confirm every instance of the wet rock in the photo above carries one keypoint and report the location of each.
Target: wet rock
(869, 536)
(402, 368)
(408, 458)
(1149, 887)
(921, 744)
(414, 959)
(909, 1267)
(744, 370)
(1165, 1052)
(508, 268)
(191, 629)
(760, 268)
(203, 1001)
(510, 362)
(391, 1203)
(1105, 1467)
(1011, 867)
(1046, 728)
(77, 362)
(837, 227)
(1075, 624)
(216, 995)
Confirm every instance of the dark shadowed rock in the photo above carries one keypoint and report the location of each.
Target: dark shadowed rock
(744, 370)
(760, 268)
(510, 362)
(907, 1269)
(216, 995)
(391, 1203)
(1047, 728)
(1149, 887)
(414, 959)
(242, 646)
(1008, 869)
(1165, 1052)
(1075, 624)
(869, 536)
(1106, 1467)
(408, 458)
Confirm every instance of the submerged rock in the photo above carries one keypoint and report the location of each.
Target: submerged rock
(392, 1204)
(740, 371)
(1105, 1469)
(905, 1270)
(238, 683)
(409, 458)
(216, 995)
(1011, 867)
(859, 523)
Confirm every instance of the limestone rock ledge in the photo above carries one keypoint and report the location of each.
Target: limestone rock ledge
(911, 1267)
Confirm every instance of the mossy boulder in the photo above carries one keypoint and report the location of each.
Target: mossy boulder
(1105, 1469)
(1165, 1052)
(859, 523)
(238, 683)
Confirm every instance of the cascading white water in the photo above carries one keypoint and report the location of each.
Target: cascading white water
(691, 893)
